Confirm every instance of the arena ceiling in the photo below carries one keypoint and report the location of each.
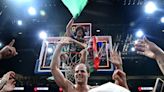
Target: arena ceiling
(111, 17)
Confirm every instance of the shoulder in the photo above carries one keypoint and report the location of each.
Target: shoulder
(69, 86)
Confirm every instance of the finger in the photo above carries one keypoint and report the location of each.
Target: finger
(12, 51)
(139, 41)
(143, 45)
(13, 83)
(114, 74)
(121, 73)
(7, 75)
(139, 44)
(116, 47)
(12, 80)
(11, 72)
(140, 52)
(111, 53)
(12, 75)
(72, 20)
(12, 42)
(118, 78)
(142, 49)
(16, 53)
(119, 53)
(146, 40)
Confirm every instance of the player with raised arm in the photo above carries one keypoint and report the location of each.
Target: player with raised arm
(81, 73)
(151, 50)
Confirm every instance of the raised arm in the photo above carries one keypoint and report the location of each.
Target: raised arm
(116, 57)
(8, 51)
(68, 28)
(151, 50)
(120, 78)
(60, 80)
(84, 45)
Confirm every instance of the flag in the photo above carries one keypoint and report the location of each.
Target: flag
(75, 6)
(96, 58)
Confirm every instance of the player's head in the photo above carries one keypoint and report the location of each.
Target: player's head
(80, 31)
(81, 73)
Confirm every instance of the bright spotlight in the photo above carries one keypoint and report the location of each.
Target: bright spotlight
(132, 49)
(50, 50)
(98, 30)
(150, 7)
(136, 41)
(19, 22)
(43, 35)
(0, 44)
(139, 33)
(162, 20)
(32, 11)
(42, 13)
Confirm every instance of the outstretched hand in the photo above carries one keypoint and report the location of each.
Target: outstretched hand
(116, 57)
(147, 48)
(8, 51)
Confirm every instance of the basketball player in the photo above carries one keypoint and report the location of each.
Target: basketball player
(81, 74)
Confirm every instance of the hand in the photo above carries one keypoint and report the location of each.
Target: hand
(120, 78)
(6, 80)
(147, 48)
(70, 23)
(65, 40)
(64, 56)
(8, 75)
(116, 59)
(68, 28)
(8, 51)
(9, 86)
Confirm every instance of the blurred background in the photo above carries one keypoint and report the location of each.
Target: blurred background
(124, 20)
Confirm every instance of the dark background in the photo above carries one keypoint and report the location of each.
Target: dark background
(111, 17)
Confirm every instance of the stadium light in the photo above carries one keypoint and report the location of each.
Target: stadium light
(162, 20)
(132, 49)
(32, 11)
(50, 50)
(0, 44)
(43, 35)
(19, 22)
(139, 33)
(42, 13)
(150, 7)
